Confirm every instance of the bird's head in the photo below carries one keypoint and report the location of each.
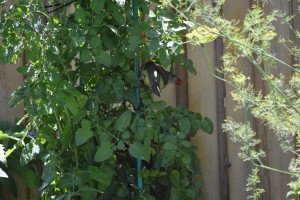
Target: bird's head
(174, 79)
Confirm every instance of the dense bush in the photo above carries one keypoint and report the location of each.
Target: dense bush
(80, 100)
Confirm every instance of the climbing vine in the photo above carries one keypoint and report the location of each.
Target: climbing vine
(80, 102)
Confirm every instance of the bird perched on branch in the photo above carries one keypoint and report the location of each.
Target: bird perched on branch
(156, 77)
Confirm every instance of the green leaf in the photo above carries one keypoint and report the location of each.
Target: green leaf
(84, 133)
(169, 146)
(207, 125)
(119, 17)
(121, 145)
(132, 78)
(5, 136)
(100, 175)
(29, 152)
(158, 105)
(71, 104)
(88, 192)
(164, 57)
(85, 55)
(110, 43)
(126, 135)
(175, 178)
(86, 124)
(66, 136)
(79, 14)
(97, 5)
(154, 46)
(185, 125)
(104, 152)
(81, 99)
(139, 151)
(16, 102)
(134, 42)
(103, 58)
(168, 158)
(123, 121)
(2, 55)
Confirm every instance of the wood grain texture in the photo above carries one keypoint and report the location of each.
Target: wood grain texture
(276, 157)
(202, 99)
(239, 170)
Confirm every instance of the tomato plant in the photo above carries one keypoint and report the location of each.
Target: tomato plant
(80, 101)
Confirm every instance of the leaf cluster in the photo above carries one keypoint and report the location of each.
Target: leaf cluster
(79, 95)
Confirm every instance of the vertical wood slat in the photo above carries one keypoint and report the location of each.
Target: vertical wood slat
(221, 115)
(202, 99)
(276, 157)
(182, 92)
(239, 170)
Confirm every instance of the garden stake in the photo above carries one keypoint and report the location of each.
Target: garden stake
(137, 91)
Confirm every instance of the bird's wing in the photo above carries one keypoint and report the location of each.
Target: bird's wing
(164, 73)
(154, 79)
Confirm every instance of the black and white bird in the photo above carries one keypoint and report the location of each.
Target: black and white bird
(156, 77)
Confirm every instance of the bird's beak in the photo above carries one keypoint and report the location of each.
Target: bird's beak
(178, 82)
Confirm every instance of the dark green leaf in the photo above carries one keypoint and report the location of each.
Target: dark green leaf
(207, 125)
(84, 133)
(100, 175)
(79, 14)
(134, 42)
(169, 146)
(175, 178)
(158, 105)
(164, 57)
(85, 55)
(88, 192)
(123, 121)
(126, 135)
(132, 78)
(184, 125)
(110, 43)
(103, 58)
(121, 145)
(67, 135)
(97, 6)
(104, 152)
(71, 104)
(139, 151)
(29, 152)
(154, 46)
(2, 55)
(168, 158)
(119, 17)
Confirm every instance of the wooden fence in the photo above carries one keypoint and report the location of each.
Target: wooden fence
(223, 173)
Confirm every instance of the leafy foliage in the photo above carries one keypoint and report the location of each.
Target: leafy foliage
(79, 98)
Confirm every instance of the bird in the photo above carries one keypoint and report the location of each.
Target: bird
(156, 77)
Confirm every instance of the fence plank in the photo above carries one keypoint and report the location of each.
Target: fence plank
(202, 98)
(239, 170)
(276, 158)
(10, 79)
